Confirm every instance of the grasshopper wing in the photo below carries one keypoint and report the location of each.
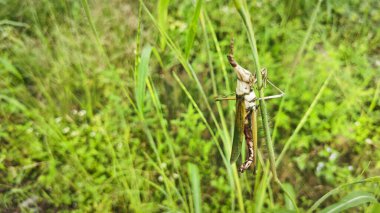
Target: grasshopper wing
(239, 129)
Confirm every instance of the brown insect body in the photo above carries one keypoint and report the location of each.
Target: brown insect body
(245, 120)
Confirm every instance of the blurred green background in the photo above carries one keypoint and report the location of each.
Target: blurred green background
(109, 105)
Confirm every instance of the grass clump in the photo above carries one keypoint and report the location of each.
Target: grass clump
(109, 106)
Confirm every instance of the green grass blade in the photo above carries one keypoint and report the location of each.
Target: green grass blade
(351, 200)
(260, 192)
(195, 186)
(142, 76)
(8, 67)
(193, 26)
(13, 23)
(162, 19)
(14, 103)
(140, 93)
(375, 97)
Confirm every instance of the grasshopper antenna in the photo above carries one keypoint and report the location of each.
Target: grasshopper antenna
(230, 56)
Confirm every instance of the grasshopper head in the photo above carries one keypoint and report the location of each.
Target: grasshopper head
(244, 75)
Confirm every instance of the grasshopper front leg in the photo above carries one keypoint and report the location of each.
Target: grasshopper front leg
(273, 96)
(264, 75)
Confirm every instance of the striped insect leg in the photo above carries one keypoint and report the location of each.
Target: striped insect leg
(250, 139)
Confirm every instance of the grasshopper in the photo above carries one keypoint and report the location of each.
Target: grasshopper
(246, 111)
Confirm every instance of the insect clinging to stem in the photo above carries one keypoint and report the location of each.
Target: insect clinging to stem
(246, 110)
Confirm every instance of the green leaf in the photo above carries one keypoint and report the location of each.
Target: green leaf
(301, 161)
(192, 31)
(142, 75)
(351, 200)
(288, 202)
(195, 186)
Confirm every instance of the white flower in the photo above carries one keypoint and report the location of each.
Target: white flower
(66, 130)
(368, 141)
(58, 119)
(29, 202)
(320, 167)
(163, 165)
(328, 149)
(74, 111)
(82, 113)
(74, 133)
(160, 178)
(377, 63)
(226, 10)
(350, 168)
(175, 176)
(333, 156)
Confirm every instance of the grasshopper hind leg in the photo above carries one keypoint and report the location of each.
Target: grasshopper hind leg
(249, 138)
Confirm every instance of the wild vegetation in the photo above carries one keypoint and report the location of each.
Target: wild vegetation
(109, 105)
